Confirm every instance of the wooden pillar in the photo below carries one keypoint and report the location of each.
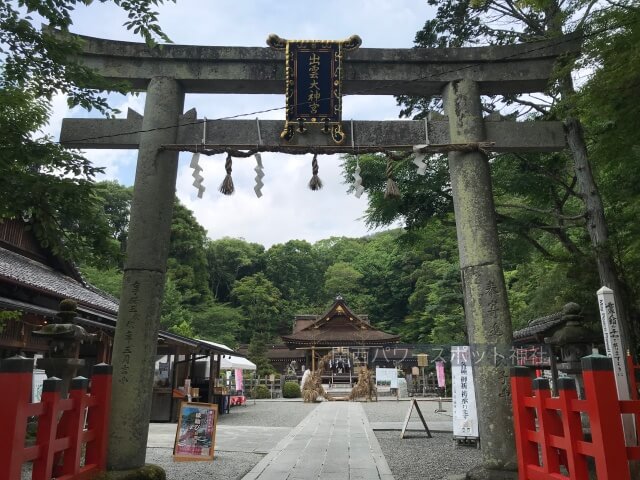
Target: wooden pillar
(211, 374)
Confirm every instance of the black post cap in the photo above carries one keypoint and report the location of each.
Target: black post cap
(541, 384)
(520, 372)
(596, 362)
(16, 364)
(52, 384)
(102, 369)
(566, 383)
(79, 383)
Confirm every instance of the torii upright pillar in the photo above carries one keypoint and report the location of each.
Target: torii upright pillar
(134, 347)
(485, 295)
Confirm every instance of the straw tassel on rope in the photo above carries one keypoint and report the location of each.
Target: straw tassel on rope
(226, 187)
(392, 190)
(315, 183)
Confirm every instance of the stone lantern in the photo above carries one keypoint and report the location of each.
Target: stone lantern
(64, 339)
(570, 343)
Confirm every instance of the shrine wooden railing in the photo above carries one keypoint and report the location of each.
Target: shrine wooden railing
(551, 441)
(72, 433)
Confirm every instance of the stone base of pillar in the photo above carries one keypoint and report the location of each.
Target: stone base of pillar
(148, 472)
(483, 473)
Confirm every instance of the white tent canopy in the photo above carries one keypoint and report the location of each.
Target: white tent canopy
(231, 362)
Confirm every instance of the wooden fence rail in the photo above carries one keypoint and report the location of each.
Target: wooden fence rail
(551, 441)
(65, 426)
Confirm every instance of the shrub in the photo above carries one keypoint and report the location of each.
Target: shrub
(291, 390)
(261, 391)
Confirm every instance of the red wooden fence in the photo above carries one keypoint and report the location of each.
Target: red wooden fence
(62, 431)
(549, 432)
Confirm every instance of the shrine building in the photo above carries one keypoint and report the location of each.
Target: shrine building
(348, 338)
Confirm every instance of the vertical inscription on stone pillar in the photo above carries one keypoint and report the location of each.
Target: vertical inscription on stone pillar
(491, 302)
(130, 323)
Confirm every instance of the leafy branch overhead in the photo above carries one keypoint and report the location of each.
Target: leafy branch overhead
(39, 180)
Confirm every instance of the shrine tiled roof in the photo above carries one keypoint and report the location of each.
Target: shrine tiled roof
(539, 326)
(343, 335)
(18, 269)
(339, 325)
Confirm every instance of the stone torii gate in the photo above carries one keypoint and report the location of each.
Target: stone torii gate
(459, 75)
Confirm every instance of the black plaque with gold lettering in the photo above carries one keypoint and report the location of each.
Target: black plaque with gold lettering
(313, 73)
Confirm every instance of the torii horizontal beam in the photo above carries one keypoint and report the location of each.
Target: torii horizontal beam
(241, 134)
(507, 69)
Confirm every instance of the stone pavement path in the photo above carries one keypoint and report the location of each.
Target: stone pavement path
(334, 442)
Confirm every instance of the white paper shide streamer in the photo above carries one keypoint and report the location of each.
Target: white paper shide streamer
(259, 168)
(359, 189)
(259, 175)
(197, 178)
(419, 159)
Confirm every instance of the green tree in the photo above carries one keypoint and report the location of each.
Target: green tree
(261, 303)
(47, 185)
(295, 269)
(230, 259)
(187, 264)
(218, 322)
(257, 353)
(608, 105)
(174, 316)
(39, 180)
(461, 22)
(108, 280)
(116, 200)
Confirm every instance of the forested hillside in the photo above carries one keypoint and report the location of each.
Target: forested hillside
(229, 289)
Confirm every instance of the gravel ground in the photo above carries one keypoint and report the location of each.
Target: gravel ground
(395, 411)
(420, 458)
(234, 465)
(268, 414)
(225, 465)
(416, 456)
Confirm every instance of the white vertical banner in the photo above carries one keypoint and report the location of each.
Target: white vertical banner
(615, 347)
(39, 376)
(465, 414)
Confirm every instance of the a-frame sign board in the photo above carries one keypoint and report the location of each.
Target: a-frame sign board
(414, 404)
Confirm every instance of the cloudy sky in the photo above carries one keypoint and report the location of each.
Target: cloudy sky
(287, 209)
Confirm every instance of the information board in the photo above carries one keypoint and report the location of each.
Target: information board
(465, 415)
(384, 375)
(196, 432)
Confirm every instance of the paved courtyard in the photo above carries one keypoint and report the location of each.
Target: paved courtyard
(269, 440)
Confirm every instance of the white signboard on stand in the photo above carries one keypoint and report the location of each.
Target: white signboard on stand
(616, 350)
(465, 414)
(387, 375)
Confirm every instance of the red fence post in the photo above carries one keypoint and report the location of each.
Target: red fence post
(15, 386)
(98, 416)
(548, 424)
(47, 429)
(71, 425)
(604, 417)
(572, 425)
(523, 420)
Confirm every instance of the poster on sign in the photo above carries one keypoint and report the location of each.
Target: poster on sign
(465, 415)
(196, 433)
(440, 373)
